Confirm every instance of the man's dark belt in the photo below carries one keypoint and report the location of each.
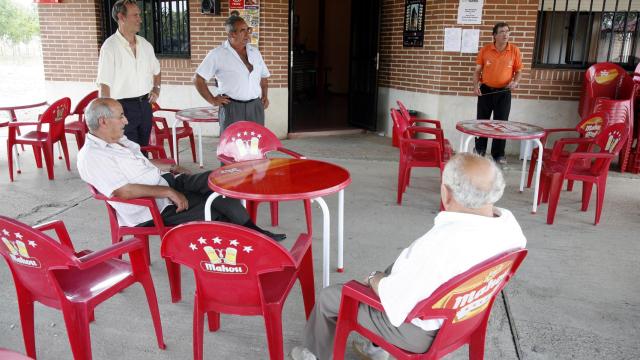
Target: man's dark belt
(243, 101)
(495, 89)
(140, 98)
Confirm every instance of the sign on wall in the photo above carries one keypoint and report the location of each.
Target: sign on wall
(249, 10)
(413, 34)
(470, 12)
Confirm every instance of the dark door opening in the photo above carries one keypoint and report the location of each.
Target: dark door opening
(330, 79)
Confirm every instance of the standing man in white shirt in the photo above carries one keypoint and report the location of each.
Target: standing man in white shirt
(241, 74)
(469, 231)
(129, 71)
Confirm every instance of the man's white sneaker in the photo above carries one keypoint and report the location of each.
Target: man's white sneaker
(302, 353)
(367, 351)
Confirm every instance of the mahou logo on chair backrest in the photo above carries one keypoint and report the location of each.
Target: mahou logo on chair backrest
(222, 256)
(18, 250)
(247, 145)
(474, 295)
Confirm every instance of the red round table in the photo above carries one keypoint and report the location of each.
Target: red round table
(283, 179)
(506, 130)
(196, 115)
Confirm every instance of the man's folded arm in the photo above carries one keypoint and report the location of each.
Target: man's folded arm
(132, 191)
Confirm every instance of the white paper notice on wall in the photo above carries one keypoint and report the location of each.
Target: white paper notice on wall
(452, 38)
(470, 41)
(470, 12)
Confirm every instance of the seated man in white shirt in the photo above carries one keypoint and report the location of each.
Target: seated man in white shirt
(469, 231)
(115, 166)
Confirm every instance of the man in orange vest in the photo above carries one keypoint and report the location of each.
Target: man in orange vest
(498, 71)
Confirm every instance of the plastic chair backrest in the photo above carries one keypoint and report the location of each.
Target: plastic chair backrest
(403, 110)
(31, 255)
(246, 140)
(54, 116)
(465, 300)
(610, 140)
(399, 122)
(591, 126)
(626, 88)
(603, 79)
(618, 111)
(227, 261)
(84, 102)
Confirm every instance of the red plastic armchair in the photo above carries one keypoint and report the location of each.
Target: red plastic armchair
(246, 140)
(156, 151)
(464, 304)
(57, 276)
(119, 232)
(240, 271)
(588, 128)
(619, 112)
(555, 170)
(414, 121)
(79, 127)
(600, 81)
(416, 152)
(163, 131)
(40, 139)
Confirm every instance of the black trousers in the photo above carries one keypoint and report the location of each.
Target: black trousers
(196, 189)
(139, 115)
(498, 103)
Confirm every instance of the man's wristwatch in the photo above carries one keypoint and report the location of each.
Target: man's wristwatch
(371, 276)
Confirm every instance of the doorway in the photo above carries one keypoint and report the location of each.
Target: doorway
(333, 50)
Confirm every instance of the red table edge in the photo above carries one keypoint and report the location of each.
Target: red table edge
(190, 119)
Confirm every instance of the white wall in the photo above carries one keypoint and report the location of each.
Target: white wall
(182, 97)
(451, 109)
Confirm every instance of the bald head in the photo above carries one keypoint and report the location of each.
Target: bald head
(473, 181)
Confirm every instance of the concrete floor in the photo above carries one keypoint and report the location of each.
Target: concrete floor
(575, 296)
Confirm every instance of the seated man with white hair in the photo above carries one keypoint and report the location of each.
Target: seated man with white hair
(115, 166)
(469, 231)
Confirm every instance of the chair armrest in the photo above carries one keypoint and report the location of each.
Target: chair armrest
(60, 230)
(576, 156)
(300, 248)
(363, 294)
(156, 151)
(559, 145)
(438, 133)
(111, 252)
(291, 153)
(426, 121)
(434, 143)
(15, 124)
(171, 110)
(225, 159)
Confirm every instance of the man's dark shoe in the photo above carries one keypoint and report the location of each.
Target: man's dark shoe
(501, 160)
(276, 237)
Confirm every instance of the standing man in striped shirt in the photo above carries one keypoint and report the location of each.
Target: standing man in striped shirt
(129, 71)
(498, 71)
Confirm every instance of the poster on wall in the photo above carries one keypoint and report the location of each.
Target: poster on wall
(470, 12)
(249, 10)
(413, 34)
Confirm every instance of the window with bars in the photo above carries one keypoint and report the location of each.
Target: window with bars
(165, 24)
(579, 33)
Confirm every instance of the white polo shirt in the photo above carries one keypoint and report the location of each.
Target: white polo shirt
(127, 75)
(232, 75)
(456, 243)
(108, 167)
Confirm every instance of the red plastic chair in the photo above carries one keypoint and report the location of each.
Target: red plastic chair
(447, 150)
(246, 140)
(79, 127)
(163, 131)
(57, 276)
(588, 128)
(619, 112)
(119, 232)
(416, 152)
(634, 158)
(554, 171)
(240, 271)
(464, 304)
(600, 80)
(40, 139)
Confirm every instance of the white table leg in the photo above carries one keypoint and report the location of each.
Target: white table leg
(467, 141)
(524, 163)
(341, 231)
(538, 170)
(207, 206)
(175, 140)
(326, 240)
(200, 145)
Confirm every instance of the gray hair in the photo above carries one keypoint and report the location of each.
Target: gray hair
(230, 23)
(468, 190)
(97, 109)
(120, 7)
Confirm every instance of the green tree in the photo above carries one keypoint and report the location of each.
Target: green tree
(17, 24)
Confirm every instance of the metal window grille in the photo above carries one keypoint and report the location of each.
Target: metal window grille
(165, 24)
(579, 33)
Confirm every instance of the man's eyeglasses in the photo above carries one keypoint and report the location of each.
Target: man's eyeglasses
(248, 30)
(504, 32)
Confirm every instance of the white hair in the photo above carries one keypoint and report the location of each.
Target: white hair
(463, 187)
(96, 110)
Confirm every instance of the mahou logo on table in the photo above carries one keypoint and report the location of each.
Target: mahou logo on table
(18, 251)
(222, 256)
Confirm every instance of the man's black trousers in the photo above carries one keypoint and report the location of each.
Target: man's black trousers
(498, 102)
